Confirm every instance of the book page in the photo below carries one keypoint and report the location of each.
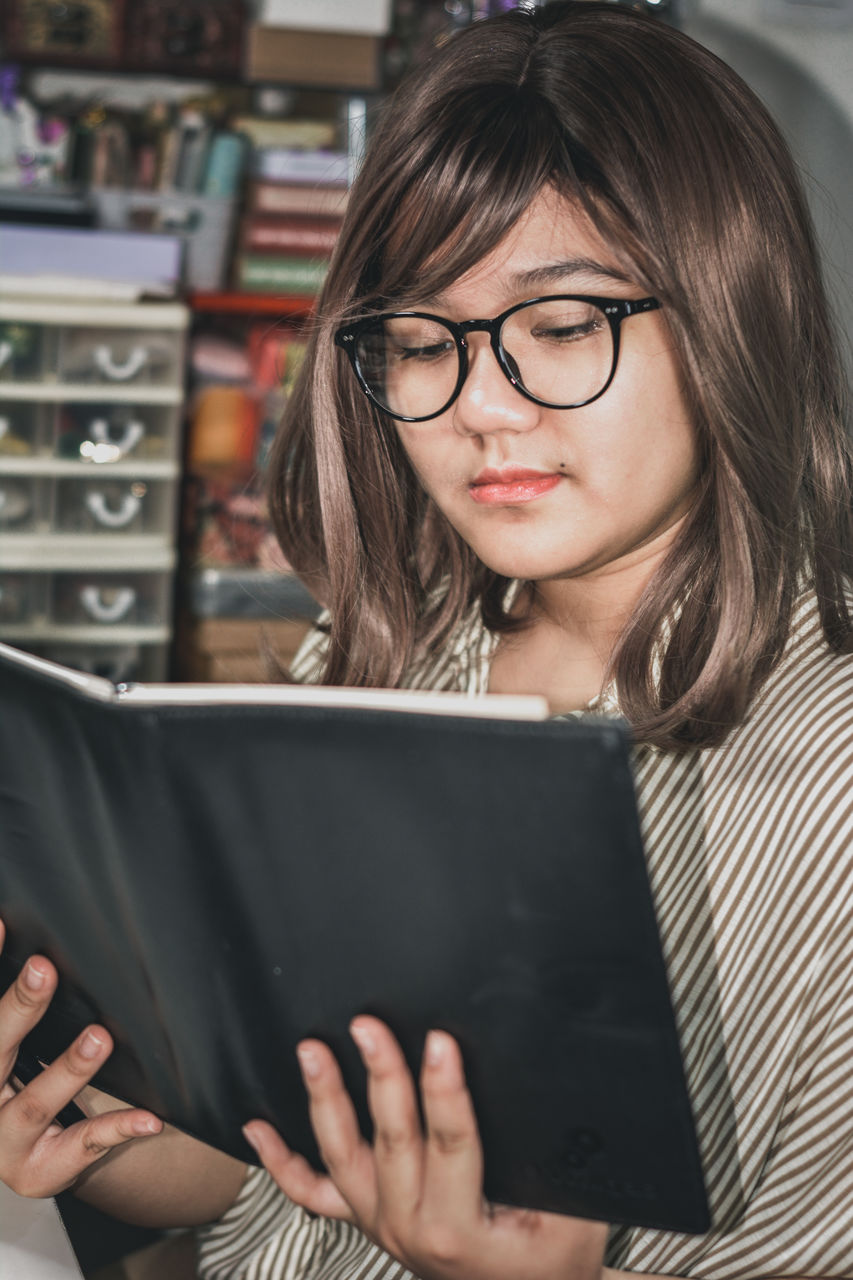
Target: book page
(422, 702)
(33, 1241)
(415, 701)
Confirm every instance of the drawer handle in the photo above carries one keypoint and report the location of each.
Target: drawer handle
(107, 606)
(15, 504)
(5, 352)
(117, 372)
(99, 429)
(113, 517)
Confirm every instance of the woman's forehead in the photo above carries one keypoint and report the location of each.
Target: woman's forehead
(553, 247)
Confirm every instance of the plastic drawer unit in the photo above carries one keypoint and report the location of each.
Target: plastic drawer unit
(91, 408)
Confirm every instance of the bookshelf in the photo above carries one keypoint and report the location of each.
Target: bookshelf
(241, 147)
(178, 154)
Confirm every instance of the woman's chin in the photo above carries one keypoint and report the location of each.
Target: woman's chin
(532, 567)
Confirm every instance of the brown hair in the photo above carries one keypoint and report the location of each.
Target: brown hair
(689, 182)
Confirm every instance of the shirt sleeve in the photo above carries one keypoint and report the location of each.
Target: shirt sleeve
(265, 1236)
(310, 660)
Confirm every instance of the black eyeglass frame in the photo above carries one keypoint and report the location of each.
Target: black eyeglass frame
(614, 309)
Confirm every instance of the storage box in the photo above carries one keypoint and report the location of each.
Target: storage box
(114, 255)
(82, 606)
(204, 225)
(237, 650)
(327, 59)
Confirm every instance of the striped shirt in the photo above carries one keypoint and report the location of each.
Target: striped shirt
(750, 853)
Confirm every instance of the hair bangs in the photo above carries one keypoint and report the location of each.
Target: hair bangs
(483, 167)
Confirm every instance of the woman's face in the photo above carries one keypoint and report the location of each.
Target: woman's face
(604, 482)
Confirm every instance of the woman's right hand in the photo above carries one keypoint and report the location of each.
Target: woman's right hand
(37, 1156)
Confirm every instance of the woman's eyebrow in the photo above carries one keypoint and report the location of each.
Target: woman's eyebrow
(562, 271)
(549, 273)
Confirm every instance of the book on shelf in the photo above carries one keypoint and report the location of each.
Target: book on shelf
(294, 197)
(221, 871)
(308, 237)
(298, 164)
(371, 17)
(265, 131)
(280, 273)
(323, 59)
(195, 137)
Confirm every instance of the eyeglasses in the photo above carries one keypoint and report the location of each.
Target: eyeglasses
(559, 351)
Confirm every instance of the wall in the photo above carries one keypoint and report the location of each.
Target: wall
(805, 76)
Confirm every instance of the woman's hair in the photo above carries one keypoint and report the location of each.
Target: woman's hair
(687, 179)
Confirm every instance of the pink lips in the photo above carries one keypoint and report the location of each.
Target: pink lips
(511, 485)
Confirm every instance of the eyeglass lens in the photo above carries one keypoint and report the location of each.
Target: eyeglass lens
(560, 350)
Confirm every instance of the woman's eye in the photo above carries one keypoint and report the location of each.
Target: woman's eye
(567, 332)
(432, 352)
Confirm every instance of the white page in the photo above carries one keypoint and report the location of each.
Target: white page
(499, 706)
(33, 1241)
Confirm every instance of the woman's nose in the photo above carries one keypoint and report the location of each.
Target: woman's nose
(488, 401)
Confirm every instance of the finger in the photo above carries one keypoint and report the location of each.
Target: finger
(346, 1155)
(453, 1172)
(27, 1116)
(294, 1175)
(59, 1156)
(398, 1143)
(22, 1006)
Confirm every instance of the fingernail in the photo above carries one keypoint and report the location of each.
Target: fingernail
(146, 1125)
(309, 1062)
(363, 1038)
(33, 977)
(90, 1045)
(434, 1051)
(248, 1134)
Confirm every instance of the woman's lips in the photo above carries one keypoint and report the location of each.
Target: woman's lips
(511, 486)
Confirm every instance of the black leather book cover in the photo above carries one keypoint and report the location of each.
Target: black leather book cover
(216, 879)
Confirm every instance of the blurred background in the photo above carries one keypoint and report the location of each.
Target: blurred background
(172, 178)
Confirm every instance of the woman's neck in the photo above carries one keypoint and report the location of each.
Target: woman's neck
(575, 624)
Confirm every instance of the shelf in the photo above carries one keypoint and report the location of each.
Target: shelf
(99, 634)
(251, 303)
(79, 552)
(145, 469)
(119, 315)
(92, 393)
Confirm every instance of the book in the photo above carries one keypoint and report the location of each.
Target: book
(311, 237)
(224, 166)
(372, 17)
(291, 197)
(266, 273)
(53, 258)
(195, 136)
(34, 1244)
(265, 131)
(220, 871)
(296, 164)
(324, 59)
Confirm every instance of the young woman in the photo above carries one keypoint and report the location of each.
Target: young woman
(571, 422)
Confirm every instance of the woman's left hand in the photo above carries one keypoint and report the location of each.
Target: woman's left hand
(419, 1194)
